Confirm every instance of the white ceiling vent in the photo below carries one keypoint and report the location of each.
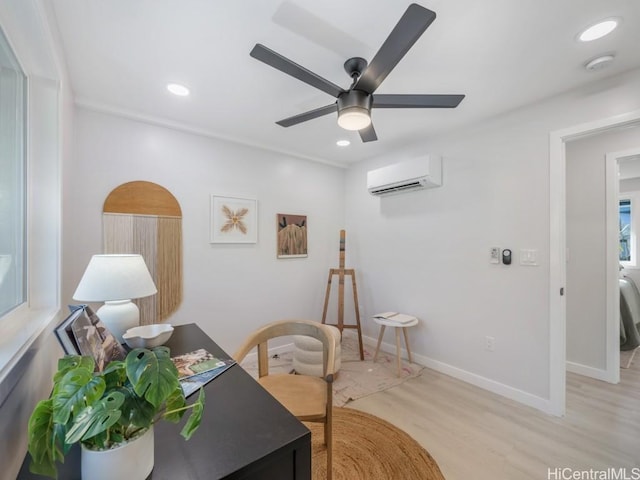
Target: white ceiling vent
(423, 172)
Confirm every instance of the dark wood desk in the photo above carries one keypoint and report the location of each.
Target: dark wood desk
(245, 433)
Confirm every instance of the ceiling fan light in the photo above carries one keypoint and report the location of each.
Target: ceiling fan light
(354, 118)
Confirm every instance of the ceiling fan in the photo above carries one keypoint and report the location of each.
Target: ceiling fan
(354, 105)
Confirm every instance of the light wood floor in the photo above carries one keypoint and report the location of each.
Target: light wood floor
(474, 434)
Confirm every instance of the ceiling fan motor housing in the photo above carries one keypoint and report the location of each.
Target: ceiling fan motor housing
(354, 110)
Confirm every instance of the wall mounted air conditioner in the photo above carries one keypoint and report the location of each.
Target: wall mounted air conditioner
(419, 173)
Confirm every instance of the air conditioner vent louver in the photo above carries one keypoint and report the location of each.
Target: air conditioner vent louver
(406, 176)
(398, 188)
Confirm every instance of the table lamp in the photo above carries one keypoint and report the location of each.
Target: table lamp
(115, 280)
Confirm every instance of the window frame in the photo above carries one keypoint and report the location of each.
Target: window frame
(46, 105)
(23, 207)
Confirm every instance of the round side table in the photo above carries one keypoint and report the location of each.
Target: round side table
(387, 322)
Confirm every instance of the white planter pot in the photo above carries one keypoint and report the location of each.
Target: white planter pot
(133, 460)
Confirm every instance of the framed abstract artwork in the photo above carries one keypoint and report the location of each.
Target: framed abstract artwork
(292, 235)
(233, 220)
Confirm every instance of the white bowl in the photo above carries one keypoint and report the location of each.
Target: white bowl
(147, 336)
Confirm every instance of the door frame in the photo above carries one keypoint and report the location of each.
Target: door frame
(613, 271)
(557, 256)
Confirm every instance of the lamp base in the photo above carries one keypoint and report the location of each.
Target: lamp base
(119, 316)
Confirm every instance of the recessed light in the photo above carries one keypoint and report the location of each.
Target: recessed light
(343, 143)
(599, 29)
(178, 89)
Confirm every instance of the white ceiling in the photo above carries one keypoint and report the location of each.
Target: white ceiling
(502, 54)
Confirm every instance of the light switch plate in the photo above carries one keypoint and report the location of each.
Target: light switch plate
(494, 255)
(529, 257)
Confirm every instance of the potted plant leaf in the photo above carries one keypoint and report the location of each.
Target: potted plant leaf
(109, 412)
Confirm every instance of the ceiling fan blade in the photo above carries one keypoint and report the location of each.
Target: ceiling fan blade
(368, 134)
(409, 28)
(416, 101)
(310, 115)
(277, 61)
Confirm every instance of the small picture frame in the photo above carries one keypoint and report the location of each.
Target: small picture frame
(291, 235)
(233, 220)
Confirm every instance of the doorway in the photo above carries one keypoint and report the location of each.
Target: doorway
(557, 260)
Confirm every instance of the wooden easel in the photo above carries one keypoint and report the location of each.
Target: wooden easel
(341, 272)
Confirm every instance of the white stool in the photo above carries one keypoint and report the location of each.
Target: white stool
(389, 322)
(307, 354)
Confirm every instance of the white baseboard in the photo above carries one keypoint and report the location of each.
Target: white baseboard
(501, 389)
(591, 372)
(498, 388)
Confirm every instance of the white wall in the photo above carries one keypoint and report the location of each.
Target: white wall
(427, 252)
(586, 243)
(229, 290)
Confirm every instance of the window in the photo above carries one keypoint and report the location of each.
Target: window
(12, 180)
(625, 230)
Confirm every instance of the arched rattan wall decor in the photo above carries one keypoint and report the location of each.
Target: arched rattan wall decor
(145, 218)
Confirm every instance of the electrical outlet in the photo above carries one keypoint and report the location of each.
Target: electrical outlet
(489, 343)
(494, 255)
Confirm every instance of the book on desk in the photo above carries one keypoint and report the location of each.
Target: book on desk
(199, 367)
(395, 316)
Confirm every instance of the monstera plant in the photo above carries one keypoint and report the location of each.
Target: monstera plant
(104, 410)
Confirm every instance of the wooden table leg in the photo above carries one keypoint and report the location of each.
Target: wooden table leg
(382, 327)
(397, 329)
(406, 342)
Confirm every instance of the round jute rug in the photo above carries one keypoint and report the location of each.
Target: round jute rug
(366, 447)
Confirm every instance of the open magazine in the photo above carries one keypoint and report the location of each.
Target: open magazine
(197, 368)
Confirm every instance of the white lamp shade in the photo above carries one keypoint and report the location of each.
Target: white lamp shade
(354, 118)
(115, 277)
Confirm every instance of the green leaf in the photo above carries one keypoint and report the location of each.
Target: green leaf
(117, 437)
(193, 422)
(46, 469)
(161, 352)
(152, 374)
(175, 404)
(135, 410)
(43, 443)
(115, 374)
(77, 388)
(71, 362)
(96, 418)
